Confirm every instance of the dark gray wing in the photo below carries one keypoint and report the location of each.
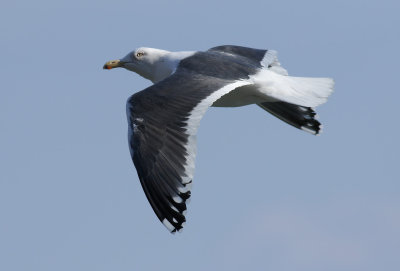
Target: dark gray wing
(254, 55)
(163, 121)
(257, 57)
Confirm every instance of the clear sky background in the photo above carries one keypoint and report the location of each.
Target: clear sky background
(265, 197)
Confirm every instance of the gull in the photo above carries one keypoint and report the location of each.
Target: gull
(163, 119)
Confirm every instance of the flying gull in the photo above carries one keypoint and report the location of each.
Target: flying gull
(163, 118)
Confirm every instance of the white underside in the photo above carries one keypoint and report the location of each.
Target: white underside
(269, 86)
(265, 86)
(272, 83)
(304, 91)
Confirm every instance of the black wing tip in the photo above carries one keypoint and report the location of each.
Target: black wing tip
(174, 226)
(312, 127)
(312, 130)
(175, 219)
(311, 123)
(301, 117)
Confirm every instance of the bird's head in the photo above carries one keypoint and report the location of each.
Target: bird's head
(143, 61)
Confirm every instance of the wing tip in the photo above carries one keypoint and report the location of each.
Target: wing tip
(313, 129)
(168, 225)
(171, 228)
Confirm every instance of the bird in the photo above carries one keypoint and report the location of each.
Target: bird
(163, 118)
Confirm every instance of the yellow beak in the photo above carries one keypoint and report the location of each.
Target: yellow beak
(112, 64)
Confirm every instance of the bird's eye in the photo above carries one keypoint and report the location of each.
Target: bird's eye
(139, 54)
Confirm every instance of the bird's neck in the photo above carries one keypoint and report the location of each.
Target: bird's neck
(167, 65)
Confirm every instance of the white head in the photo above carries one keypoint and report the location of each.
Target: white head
(150, 63)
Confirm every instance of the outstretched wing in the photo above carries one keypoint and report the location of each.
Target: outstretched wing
(255, 55)
(259, 57)
(163, 121)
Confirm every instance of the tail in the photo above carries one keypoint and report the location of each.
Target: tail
(304, 91)
(296, 115)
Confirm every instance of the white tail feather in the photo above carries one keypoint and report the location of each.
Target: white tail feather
(304, 91)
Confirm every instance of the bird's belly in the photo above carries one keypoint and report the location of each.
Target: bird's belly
(240, 97)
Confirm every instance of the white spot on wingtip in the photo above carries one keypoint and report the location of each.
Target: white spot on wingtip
(174, 208)
(320, 129)
(177, 199)
(186, 180)
(168, 225)
(308, 130)
(304, 109)
(185, 188)
(140, 120)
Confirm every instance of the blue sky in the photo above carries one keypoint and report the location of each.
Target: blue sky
(265, 197)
